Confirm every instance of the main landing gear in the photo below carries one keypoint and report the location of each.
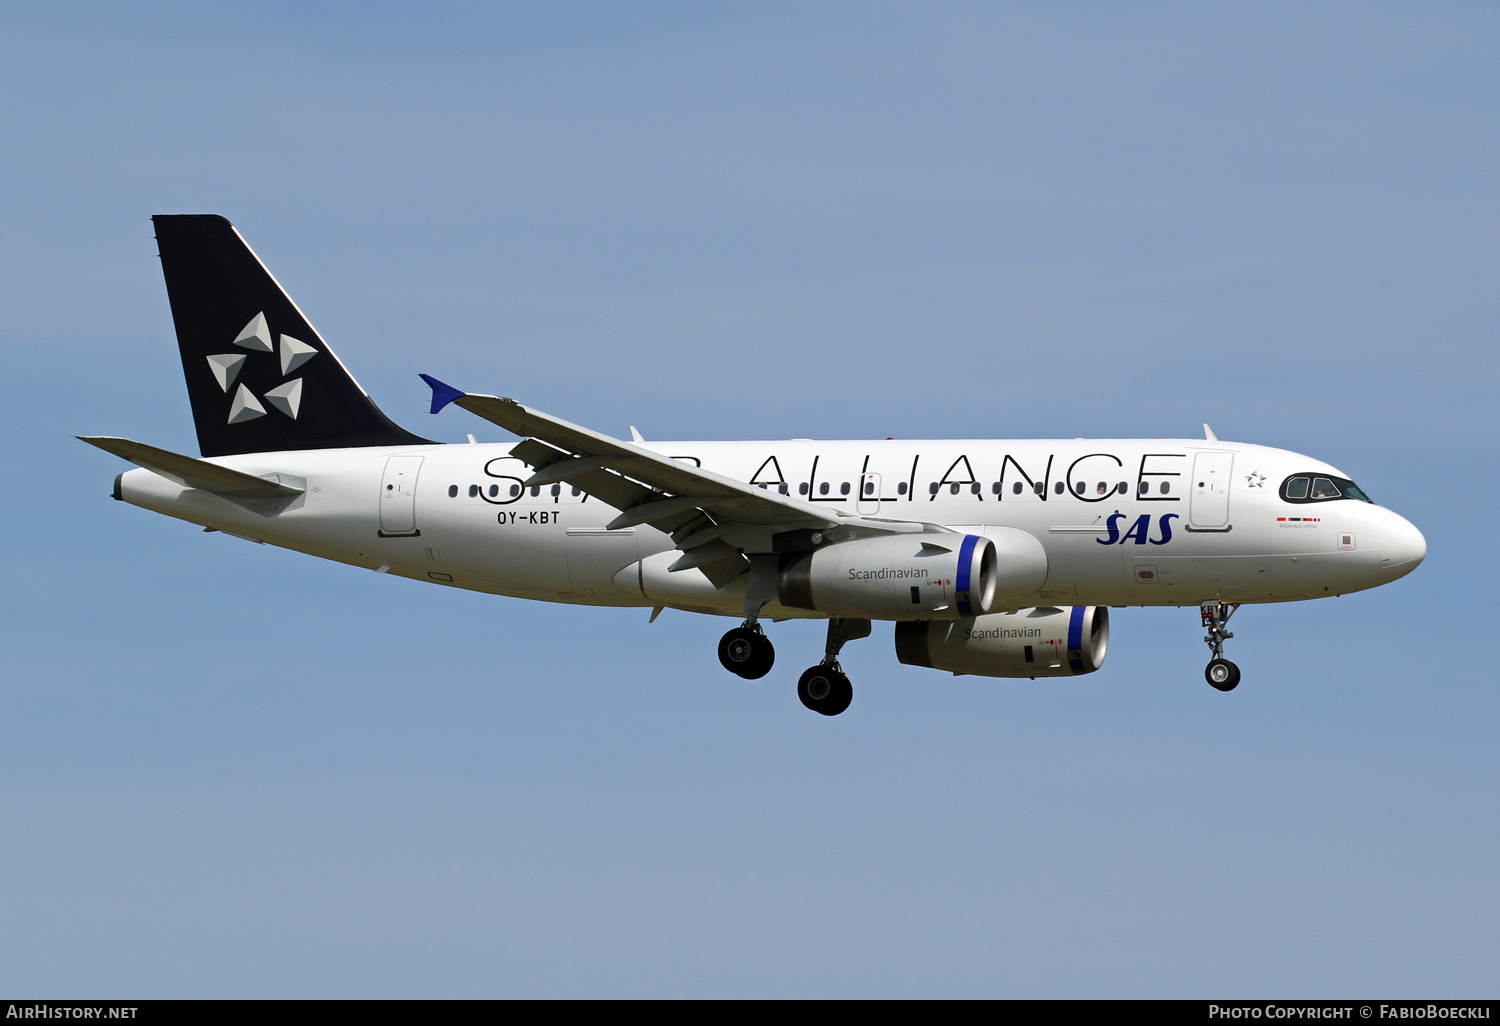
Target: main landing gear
(1220, 672)
(746, 651)
(824, 688)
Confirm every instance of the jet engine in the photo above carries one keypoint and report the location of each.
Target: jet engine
(1044, 642)
(893, 577)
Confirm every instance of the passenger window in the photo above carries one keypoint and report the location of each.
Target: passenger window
(577, 492)
(997, 487)
(473, 491)
(781, 488)
(494, 491)
(515, 490)
(932, 488)
(823, 488)
(1166, 486)
(1322, 488)
(1039, 488)
(1103, 488)
(1122, 487)
(802, 488)
(453, 491)
(536, 490)
(1296, 488)
(1079, 487)
(1016, 488)
(556, 490)
(1145, 487)
(953, 489)
(901, 488)
(869, 488)
(1057, 489)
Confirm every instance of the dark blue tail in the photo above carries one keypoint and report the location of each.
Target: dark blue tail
(259, 377)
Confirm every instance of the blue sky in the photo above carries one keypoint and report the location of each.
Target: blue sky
(227, 770)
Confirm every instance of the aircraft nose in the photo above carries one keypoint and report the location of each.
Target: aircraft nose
(1402, 546)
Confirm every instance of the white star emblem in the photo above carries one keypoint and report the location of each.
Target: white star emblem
(1255, 479)
(285, 398)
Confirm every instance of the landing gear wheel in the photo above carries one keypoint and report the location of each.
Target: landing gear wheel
(825, 689)
(747, 652)
(1222, 674)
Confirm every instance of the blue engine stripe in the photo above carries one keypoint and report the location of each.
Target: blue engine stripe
(1075, 639)
(965, 558)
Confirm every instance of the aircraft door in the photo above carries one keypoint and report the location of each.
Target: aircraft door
(398, 497)
(1208, 507)
(868, 501)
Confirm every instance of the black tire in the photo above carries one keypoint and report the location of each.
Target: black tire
(1222, 674)
(764, 659)
(842, 696)
(747, 653)
(825, 690)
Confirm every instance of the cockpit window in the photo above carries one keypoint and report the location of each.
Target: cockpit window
(1320, 488)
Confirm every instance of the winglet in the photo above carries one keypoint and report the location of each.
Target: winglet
(442, 394)
(1208, 432)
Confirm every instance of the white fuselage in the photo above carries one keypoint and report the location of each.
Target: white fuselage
(1123, 522)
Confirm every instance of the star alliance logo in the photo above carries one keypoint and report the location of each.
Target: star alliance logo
(285, 398)
(1254, 479)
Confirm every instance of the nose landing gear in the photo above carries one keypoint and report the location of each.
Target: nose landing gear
(1220, 672)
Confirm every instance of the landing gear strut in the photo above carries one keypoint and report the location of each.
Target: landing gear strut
(1220, 672)
(824, 688)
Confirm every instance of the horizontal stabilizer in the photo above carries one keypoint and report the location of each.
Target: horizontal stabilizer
(193, 473)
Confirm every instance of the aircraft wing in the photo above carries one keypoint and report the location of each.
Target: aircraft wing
(713, 519)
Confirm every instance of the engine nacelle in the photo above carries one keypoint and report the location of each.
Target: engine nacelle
(1043, 642)
(893, 577)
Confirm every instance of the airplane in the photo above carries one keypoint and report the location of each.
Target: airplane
(993, 558)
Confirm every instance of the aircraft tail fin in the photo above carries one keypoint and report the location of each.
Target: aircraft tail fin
(259, 378)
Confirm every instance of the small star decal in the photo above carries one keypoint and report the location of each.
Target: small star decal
(1255, 479)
